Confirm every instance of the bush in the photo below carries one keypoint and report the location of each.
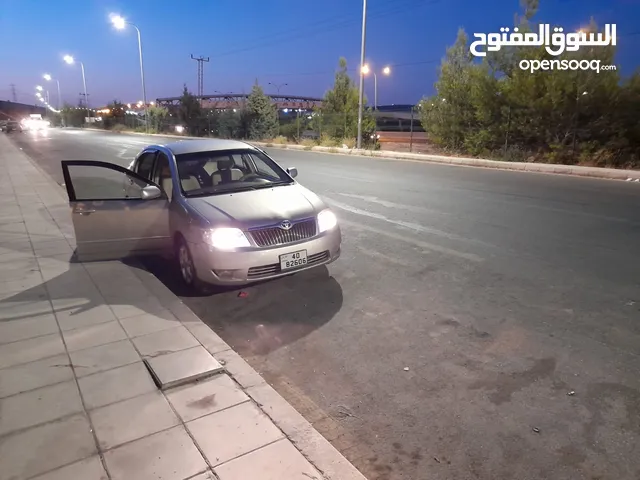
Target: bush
(349, 142)
(327, 141)
(308, 143)
(118, 127)
(280, 140)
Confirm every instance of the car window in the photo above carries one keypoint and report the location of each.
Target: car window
(145, 165)
(225, 171)
(91, 182)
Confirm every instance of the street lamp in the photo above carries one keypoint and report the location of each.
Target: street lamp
(48, 78)
(385, 71)
(361, 87)
(120, 23)
(278, 87)
(70, 61)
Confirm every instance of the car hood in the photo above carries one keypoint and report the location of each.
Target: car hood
(258, 207)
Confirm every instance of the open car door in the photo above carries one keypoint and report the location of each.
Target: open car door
(116, 213)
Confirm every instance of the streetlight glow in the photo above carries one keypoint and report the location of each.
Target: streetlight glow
(68, 59)
(386, 70)
(39, 88)
(118, 21)
(365, 69)
(47, 77)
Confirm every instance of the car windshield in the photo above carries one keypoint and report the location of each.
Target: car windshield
(227, 171)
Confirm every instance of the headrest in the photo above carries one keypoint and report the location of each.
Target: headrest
(225, 164)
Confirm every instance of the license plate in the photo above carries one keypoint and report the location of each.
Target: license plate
(293, 260)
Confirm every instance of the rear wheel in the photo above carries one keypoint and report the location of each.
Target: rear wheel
(187, 268)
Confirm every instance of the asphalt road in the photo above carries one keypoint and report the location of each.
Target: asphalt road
(481, 324)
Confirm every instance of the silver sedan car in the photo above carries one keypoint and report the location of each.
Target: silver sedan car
(224, 210)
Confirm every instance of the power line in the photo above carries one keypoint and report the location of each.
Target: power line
(335, 25)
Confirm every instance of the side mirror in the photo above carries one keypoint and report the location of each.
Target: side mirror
(292, 171)
(151, 192)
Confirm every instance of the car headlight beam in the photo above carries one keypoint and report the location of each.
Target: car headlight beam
(326, 220)
(226, 238)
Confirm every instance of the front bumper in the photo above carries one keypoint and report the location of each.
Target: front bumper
(255, 264)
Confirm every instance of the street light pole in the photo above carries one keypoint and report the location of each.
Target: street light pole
(278, 87)
(119, 22)
(86, 97)
(375, 91)
(362, 55)
(144, 88)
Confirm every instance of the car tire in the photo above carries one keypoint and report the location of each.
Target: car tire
(185, 265)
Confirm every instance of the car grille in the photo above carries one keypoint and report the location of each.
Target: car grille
(267, 270)
(267, 237)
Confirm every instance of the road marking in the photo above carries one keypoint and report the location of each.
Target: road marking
(401, 223)
(418, 243)
(400, 206)
(381, 256)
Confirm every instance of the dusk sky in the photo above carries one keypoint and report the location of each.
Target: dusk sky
(279, 41)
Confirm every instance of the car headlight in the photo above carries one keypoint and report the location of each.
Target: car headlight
(226, 238)
(326, 220)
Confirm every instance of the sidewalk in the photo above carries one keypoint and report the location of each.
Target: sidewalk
(77, 345)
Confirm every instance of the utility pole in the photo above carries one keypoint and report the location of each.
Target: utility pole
(362, 56)
(84, 102)
(13, 93)
(200, 61)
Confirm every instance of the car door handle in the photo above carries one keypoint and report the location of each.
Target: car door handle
(84, 212)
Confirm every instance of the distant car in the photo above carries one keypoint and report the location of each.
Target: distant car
(228, 212)
(12, 126)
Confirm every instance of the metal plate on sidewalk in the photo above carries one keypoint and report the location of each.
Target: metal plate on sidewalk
(178, 368)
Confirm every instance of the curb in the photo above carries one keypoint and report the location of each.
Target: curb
(574, 170)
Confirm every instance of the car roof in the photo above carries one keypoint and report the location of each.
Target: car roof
(205, 145)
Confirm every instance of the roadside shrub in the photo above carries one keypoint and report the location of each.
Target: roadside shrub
(118, 127)
(349, 142)
(327, 141)
(280, 140)
(308, 143)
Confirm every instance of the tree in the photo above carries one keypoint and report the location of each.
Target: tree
(72, 116)
(190, 111)
(262, 115)
(156, 116)
(115, 115)
(495, 107)
(338, 116)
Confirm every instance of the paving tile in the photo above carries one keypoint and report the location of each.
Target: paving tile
(180, 367)
(207, 337)
(88, 469)
(274, 462)
(29, 280)
(40, 449)
(94, 335)
(132, 419)
(39, 406)
(168, 455)
(115, 385)
(53, 247)
(104, 357)
(26, 351)
(207, 396)
(166, 341)
(22, 329)
(30, 303)
(225, 435)
(148, 323)
(82, 312)
(30, 376)
(124, 307)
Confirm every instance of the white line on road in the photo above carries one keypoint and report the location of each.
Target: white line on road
(401, 223)
(427, 246)
(400, 206)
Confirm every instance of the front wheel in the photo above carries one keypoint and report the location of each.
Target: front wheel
(187, 267)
